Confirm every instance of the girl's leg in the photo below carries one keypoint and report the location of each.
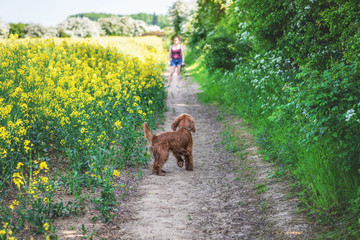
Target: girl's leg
(178, 74)
(172, 70)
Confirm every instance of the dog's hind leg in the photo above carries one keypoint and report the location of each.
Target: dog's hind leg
(189, 164)
(157, 169)
(160, 159)
(179, 160)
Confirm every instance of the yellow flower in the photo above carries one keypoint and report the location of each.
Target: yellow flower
(17, 179)
(83, 130)
(11, 207)
(4, 154)
(30, 191)
(46, 226)
(46, 200)
(118, 124)
(16, 202)
(48, 188)
(19, 165)
(26, 145)
(116, 173)
(2, 232)
(43, 165)
(44, 180)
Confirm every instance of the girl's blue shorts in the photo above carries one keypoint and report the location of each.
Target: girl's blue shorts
(176, 62)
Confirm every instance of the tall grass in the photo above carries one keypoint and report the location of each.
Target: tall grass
(328, 186)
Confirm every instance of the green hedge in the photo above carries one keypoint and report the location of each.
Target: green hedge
(291, 68)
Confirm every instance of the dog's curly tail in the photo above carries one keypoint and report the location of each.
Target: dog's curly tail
(148, 134)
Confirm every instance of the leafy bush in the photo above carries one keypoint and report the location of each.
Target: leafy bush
(209, 14)
(18, 28)
(331, 107)
(297, 82)
(224, 52)
(220, 54)
(226, 42)
(180, 14)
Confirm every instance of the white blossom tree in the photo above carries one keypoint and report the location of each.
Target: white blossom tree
(125, 26)
(35, 31)
(138, 27)
(4, 29)
(51, 32)
(79, 27)
(115, 26)
(153, 28)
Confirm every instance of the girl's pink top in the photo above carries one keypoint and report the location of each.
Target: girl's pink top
(176, 54)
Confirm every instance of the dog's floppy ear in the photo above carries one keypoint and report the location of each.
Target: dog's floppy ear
(192, 126)
(192, 123)
(175, 124)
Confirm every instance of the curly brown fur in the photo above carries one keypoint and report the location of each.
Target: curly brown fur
(179, 142)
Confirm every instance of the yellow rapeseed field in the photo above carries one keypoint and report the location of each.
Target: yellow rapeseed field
(82, 100)
(150, 47)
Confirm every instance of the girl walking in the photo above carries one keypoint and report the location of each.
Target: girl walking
(176, 60)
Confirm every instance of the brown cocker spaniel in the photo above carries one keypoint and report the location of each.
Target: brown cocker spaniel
(179, 142)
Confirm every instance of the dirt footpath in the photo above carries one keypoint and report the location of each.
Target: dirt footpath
(227, 196)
